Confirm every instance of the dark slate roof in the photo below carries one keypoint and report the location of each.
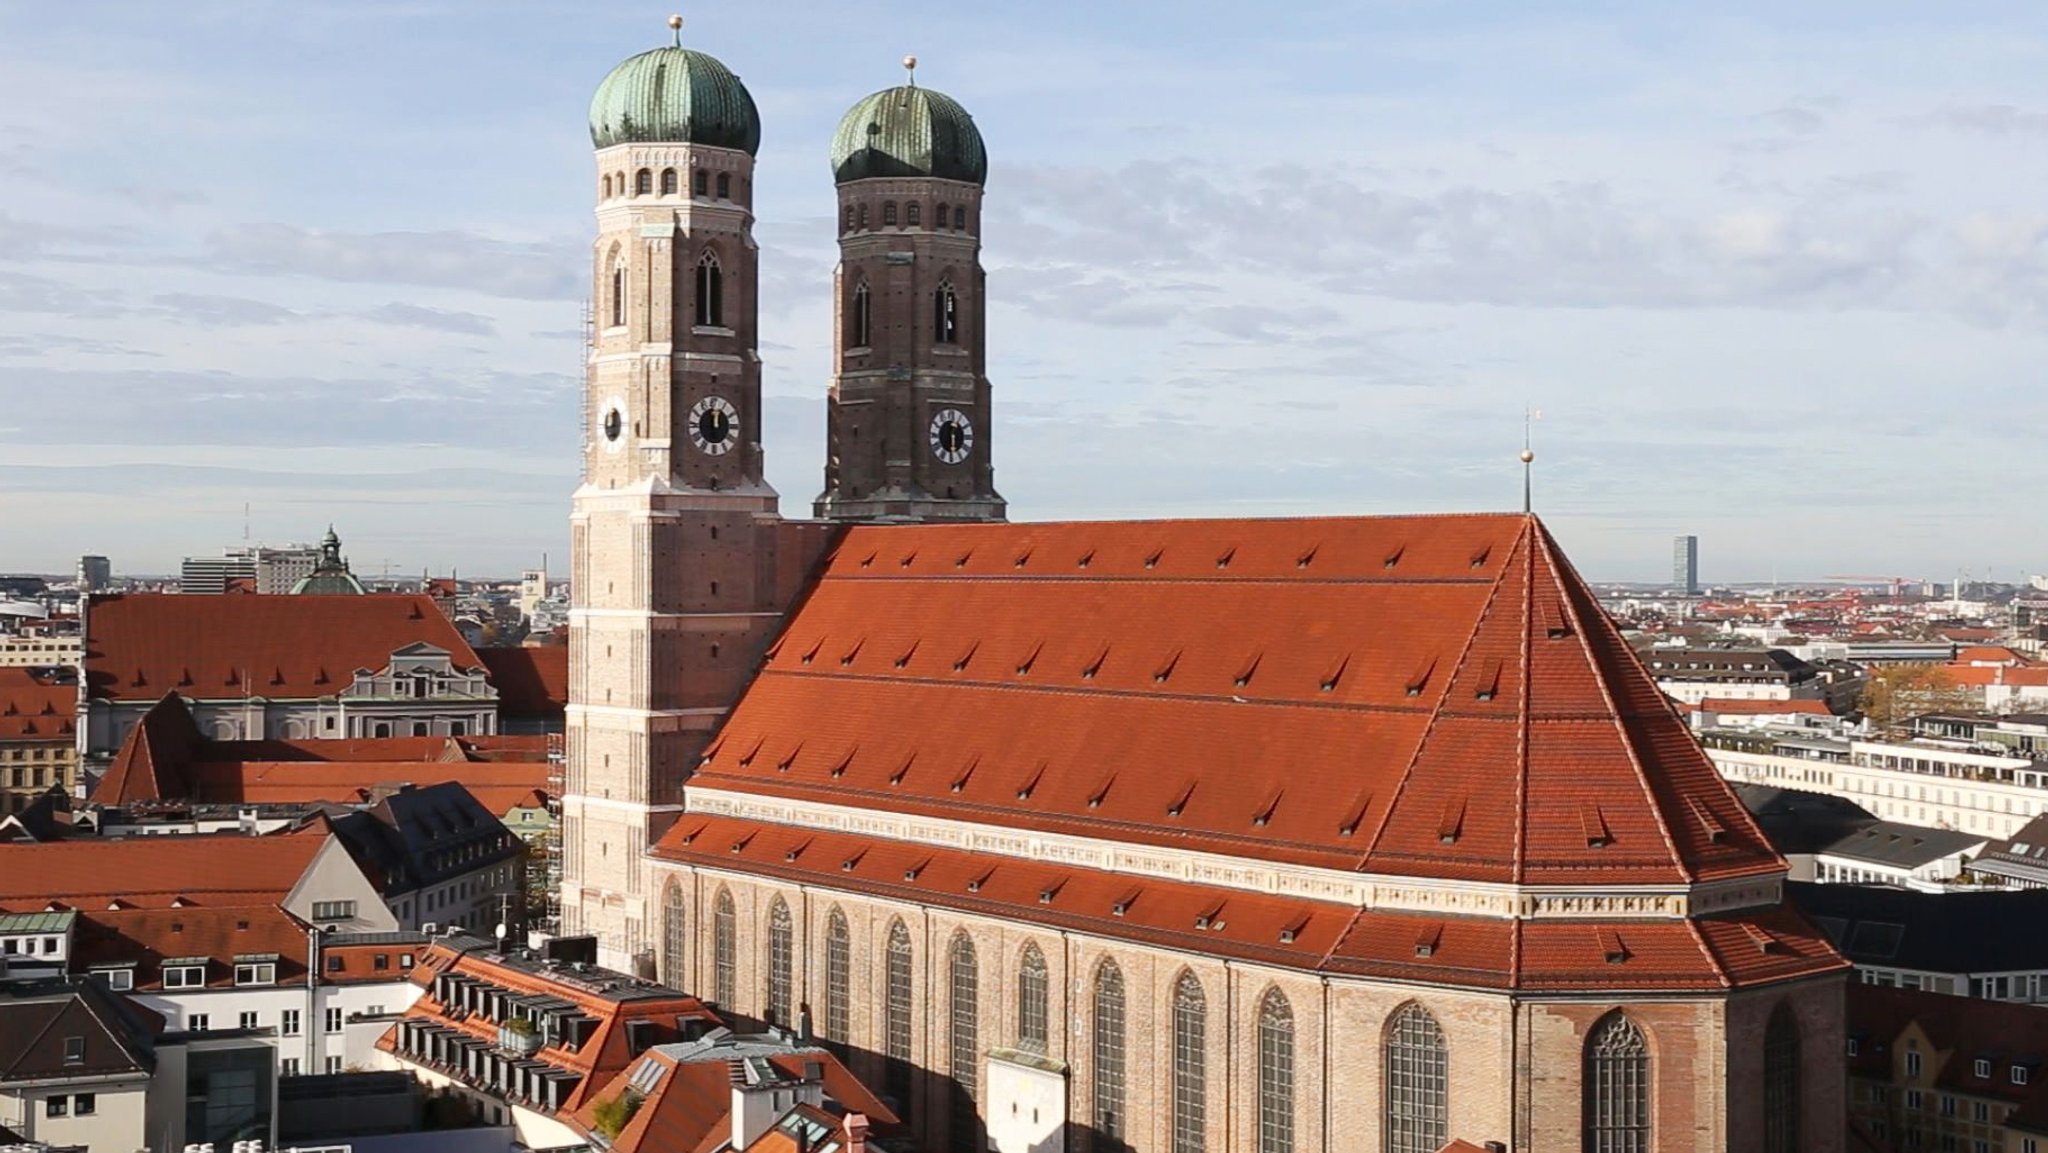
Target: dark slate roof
(37, 1016)
(2023, 855)
(1902, 846)
(1802, 822)
(417, 837)
(1936, 932)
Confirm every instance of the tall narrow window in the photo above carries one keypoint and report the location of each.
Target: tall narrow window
(1417, 1112)
(848, 225)
(607, 187)
(725, 186)
(857, 333)
(1781, 1081)
(896, 1016)
(669, 186)
(1190, 1066)
(838, 957)
(939, 220)
(889, 215)
(781, 945)
(1109, 1056)
(959, 218)
(700, 182)
(964, 1057)
(1617, 1087)
(914, 213)
(710, 292)
(643, 182)
(1276, 1073)
(674, 943)
(618, 302)
(945, 315)
(724, 927)
(1032, 995)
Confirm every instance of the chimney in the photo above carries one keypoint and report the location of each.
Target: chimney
(856, 1133)
(1496, 1147)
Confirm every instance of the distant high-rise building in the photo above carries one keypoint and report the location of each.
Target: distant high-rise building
(533, 589)
(1685, 564)
(274, 571)
(94, 573)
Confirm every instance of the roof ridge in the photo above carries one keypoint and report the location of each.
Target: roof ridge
(1520, 867)
(1436, 712)
(25, 1050)
(1568, 603)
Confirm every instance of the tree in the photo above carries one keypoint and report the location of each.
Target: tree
(1896, 692)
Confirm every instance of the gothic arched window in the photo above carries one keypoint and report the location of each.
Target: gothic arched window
(896, 1015)
(939, 219)
(725, 186)
(781, 947)
(1415, 1060)
(1109, 1054)
(889, 215)
(724, 965)
(859, 317)
(1276, 1073)
(848, 225)
(1781, 1081)
(607, 188)
(959, 218)
(618, 279)
(675, 944)
(700, 182)
(643, 182)
(964, 1052)
(945, 315)
(1190, 1066)
(1617, 1087)
(669, 186)
(1033, 993)
(863, 218)
(838, 958)
(710, 292)
(914, 214)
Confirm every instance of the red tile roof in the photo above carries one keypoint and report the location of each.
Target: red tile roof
(1673, 955)
(1431, 696)
(532, 681)
(1981, 676)
(146, 937)
(499, 787)
(691, 1105)
(153, 872)
(143, 645)
(36, 709)
(151, 763)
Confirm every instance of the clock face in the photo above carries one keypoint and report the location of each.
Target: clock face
(952, 435)
(613, 423)
(714, 425)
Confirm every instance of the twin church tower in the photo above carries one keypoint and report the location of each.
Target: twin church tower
(683, 567)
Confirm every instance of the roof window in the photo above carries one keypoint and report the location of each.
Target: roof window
(1982, 1067)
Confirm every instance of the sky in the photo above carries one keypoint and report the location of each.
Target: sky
(1775, 275)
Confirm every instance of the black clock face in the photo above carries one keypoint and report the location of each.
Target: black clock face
(952, 435)
(713, 426)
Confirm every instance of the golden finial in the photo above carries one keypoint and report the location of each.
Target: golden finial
(675, 28)
(910, 66)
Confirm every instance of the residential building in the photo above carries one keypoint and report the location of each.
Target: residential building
(1694, 675)
(1929, 1072)
(42, 648)
(1991, 944)
(76, 1067)
(1685, 565)
(295, 668)
(564, 1051)
(1890, 853)
(38, 735)
(1212, 792)
(443, 858)
(2019, 861)
(1918, 782)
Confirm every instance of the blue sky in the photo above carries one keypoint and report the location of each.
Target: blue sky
(1778, 278)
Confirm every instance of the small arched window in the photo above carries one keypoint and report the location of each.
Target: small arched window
(781, 959)
(1276, 1073)
(964, 1051)
(710, 291)
(674, 943)
(914, 214)
(863, 218)
(858, 318)
(1033, 993)
(1781, 1081)
(1617, 1087)
(1416, 1093)
(724, 927)
(838, 966)
(725, 186)
(959, 218)
(896, 1015)
(607, 188)
(1190, 1066)
(700, 182)
(669, 185)
(889, 215)
(1109, 1054)
(848, 225)
(939, 220)
(643, 182)
(945, 315)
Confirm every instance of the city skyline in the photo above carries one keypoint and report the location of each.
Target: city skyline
(330, 265)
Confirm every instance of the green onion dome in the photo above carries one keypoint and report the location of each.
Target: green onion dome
(908, 131)
(674, 96)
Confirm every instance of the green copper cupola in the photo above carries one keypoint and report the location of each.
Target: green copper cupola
(909, 131)
(674, 95)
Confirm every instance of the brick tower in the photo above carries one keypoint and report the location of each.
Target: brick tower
(908, 424)
(673, 519)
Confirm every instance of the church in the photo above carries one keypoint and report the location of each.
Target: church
(1272, 836)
